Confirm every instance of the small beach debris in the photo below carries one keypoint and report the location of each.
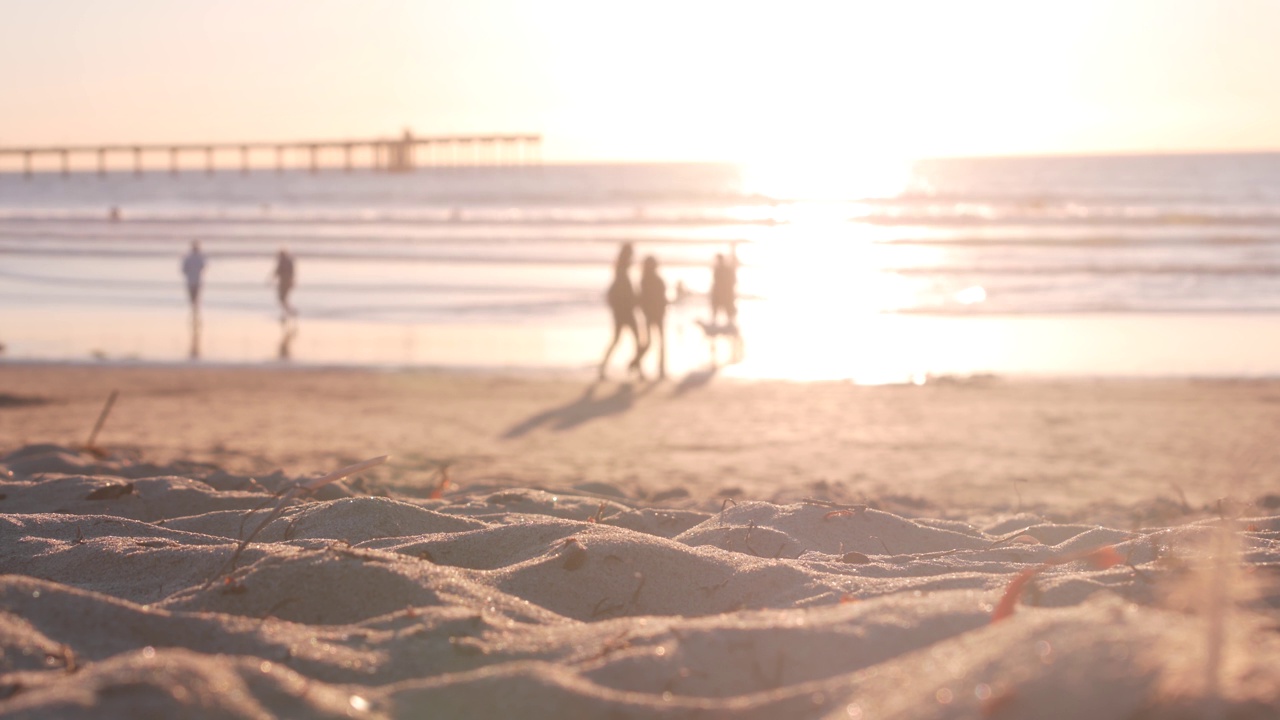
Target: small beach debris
(855, 558)
(1101, 558)
(233, 587)
(66, 656)
(438, 492)
(97, 426)
(604, 607)
(1182, 498)
(575, 557)
(110, 492)
(304, 487)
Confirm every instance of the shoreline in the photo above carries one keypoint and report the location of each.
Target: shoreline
(586, 372)
(869, 349)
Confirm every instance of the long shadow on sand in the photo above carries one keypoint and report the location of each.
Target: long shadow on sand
(586, 407)
(693, 381)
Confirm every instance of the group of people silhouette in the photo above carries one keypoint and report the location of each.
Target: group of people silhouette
(652, 302)
(624, 302)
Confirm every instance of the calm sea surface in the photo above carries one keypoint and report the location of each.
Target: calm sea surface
(1143, 265)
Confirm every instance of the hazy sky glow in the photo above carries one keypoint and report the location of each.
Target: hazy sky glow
(660, 80)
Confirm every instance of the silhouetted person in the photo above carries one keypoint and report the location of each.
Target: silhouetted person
(193, 268)
(724, 290)
(653, 303)
(284, 275)
(622, 301)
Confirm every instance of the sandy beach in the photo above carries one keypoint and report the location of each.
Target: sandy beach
(703, 547)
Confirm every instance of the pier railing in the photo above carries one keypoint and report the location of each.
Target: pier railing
(397, 154)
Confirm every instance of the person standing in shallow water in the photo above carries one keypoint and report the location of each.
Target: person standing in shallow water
(284, 275)
(622, 302)
(653, 303)
(724, 290)
(193, 268)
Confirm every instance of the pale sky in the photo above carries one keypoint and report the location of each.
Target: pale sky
(654, 80)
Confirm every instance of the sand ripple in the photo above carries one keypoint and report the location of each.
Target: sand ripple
(117, 600)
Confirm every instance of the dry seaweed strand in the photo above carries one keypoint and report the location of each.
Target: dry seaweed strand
(97, 426)
(304, 487)
(1101, 558)
(438, 492)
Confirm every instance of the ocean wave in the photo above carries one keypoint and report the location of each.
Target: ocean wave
(124, 237)
(362, 217)
(1094, 269)
(1033, 240)
(353, 256)
(1088, 308)
(322, 287)
(995, 217)
(725, 218)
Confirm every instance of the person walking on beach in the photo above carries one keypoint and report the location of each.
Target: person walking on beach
(724, 298)
(284, 275)
(622, 302)
(653, 303)
(193, 268)
(724, 290)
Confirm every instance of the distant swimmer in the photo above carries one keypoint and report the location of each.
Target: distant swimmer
(193, 268)
(284, 276)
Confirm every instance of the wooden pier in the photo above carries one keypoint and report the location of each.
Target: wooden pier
(399, 154)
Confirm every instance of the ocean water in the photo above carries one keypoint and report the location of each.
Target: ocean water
(1128, 265)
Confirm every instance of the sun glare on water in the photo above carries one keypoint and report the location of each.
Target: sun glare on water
(822, 280)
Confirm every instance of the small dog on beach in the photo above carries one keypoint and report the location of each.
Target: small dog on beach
(729, 330)
(714, 331)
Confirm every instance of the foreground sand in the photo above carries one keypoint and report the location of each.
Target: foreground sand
(698, 548)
